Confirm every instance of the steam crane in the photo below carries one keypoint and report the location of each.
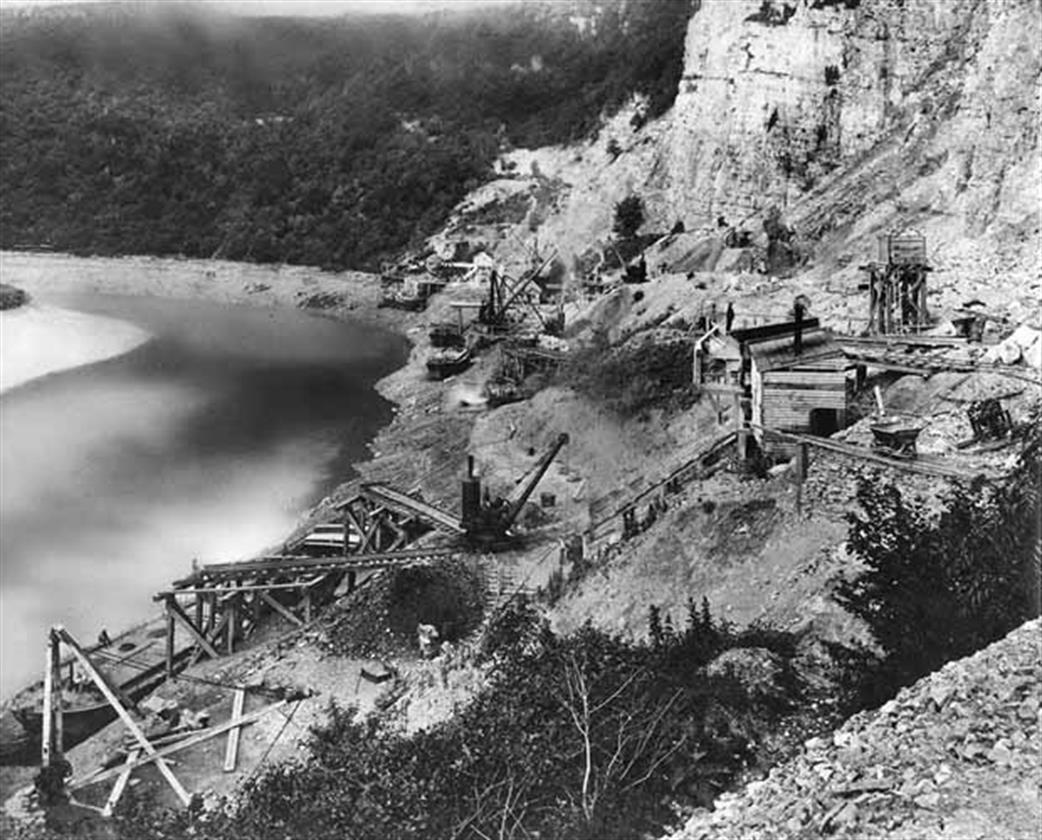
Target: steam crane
(494, 309)
(487, 521)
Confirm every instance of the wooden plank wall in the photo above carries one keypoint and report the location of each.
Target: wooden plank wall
(806, 380)
(789, 396)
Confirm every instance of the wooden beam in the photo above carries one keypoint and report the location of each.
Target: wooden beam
(294, 564)
(257, 609)
(914, 466)
(59, 703)
(121, 783)
(351, 522)
(174, 609)
(368, 538)
(281, 609)
(169, 645)
(51, 687)
(231, 751)
(211, 614)
(253, 587)
(218, 630)
(401, 538)
(231, 612)
(110, 695)
(159, 755)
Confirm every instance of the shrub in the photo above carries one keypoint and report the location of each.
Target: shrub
(940, 586)
(579, 736)
(629, 216)
(12, 297)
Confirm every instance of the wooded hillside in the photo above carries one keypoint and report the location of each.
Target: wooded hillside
(329, 142)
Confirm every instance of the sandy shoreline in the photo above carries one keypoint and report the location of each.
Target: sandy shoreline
(349, 294)
(345, 295)
(37, 340)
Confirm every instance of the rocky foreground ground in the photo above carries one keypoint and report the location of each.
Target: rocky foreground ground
(957, 756)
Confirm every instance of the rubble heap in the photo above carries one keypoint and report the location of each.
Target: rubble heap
(954, 757)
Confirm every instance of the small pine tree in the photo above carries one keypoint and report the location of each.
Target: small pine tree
(629, 216)
(655, 626)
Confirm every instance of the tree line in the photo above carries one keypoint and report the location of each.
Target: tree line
(326, 142)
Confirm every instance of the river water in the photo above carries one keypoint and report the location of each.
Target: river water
(207, 441)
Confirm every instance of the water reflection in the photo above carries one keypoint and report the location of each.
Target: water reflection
(207, 442)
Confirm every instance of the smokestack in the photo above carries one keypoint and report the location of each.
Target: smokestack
(471, 496)
(797, 339)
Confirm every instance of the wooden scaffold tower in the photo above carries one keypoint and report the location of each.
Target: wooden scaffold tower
(897, 285)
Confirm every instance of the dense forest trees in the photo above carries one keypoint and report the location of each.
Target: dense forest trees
(330, 142)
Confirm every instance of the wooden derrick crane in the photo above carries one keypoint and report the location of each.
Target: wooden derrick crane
(502, 294)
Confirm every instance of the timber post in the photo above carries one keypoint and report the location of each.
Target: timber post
(741, 429)
(170, 641)
(52, 737)
(231, 610)
(802, 463)
(256, 608)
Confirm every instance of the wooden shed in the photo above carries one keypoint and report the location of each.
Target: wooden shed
(789, 376)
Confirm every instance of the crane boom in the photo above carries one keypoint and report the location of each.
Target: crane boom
(526, 281)
(524, 490)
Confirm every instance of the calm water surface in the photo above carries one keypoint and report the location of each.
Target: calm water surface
(206, 442)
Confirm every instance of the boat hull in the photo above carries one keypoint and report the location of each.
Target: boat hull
(82, 719)
(444, 365)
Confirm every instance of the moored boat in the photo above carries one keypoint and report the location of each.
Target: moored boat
(134, 662)
(446, 361)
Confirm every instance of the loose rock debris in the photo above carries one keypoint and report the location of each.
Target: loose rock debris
(954, 757)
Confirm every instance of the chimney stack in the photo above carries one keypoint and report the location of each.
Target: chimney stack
(471, 496)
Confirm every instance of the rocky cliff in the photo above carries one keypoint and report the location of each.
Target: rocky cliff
(854, 117)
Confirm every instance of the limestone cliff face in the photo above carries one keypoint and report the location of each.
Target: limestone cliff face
(854, 117)
(859, 114)
(774, 96)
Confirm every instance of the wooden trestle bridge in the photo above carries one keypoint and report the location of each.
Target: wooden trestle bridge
(219, 605)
